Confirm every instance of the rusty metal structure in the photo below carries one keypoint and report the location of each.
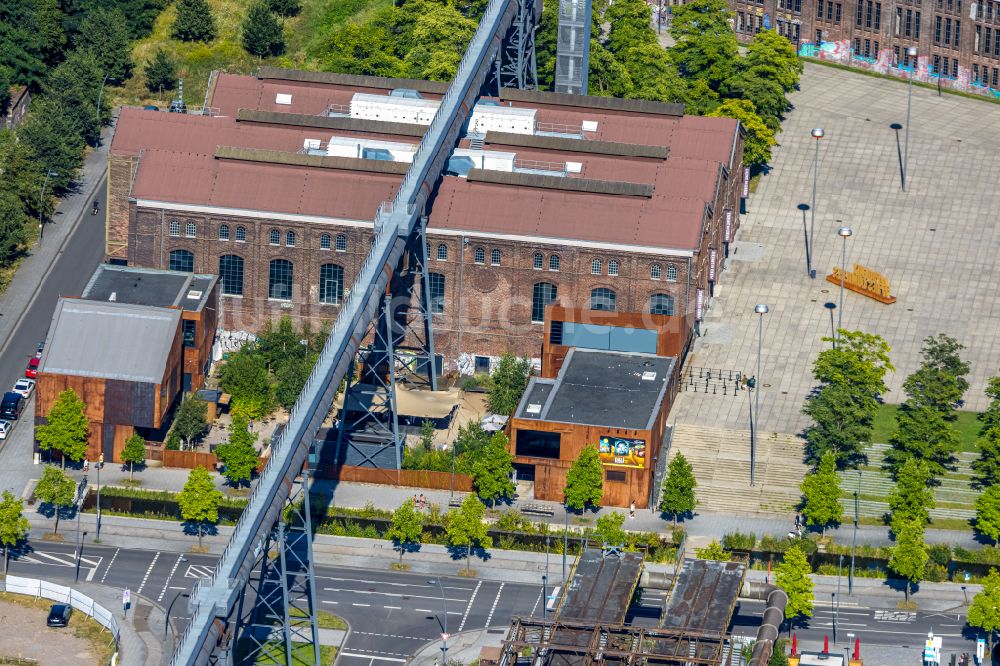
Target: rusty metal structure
(566, 643)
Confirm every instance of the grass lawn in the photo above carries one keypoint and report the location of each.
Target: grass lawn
(196, 60)
(302, 654)
(967, 426)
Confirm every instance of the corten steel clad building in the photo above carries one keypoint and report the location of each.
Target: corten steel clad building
(956, 39)
(586, 202)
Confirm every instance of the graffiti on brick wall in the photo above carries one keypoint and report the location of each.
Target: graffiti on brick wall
(229, 341)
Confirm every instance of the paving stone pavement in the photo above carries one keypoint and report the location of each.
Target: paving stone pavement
(936, 243)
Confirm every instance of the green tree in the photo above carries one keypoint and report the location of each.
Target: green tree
(56, 489)
(465, 527)
(984, 611)
(285, 8)
(262, 33)
(161, 72)
(199, 501)
(104, 34)
(792, 576)
(987, 466)
(988, 514)
(609, 528)
(545, 45)
(244, 376)
(292, 378)
(239, 454)
(770, 103)
(194, 22)
(189, 421)
(14, 527)
(653, 75)
(699, 98)
(13, 228)
(678, 490)
(66, 429)
(607, 76)
(768, 51)
(406, 528)
(507, 384)
(991, 416)
(365, 48)
(712, 551)
(21, 42)
(909, 557)
(75, 86)
(134, 453)
(759, 138)
(912, 498)
(53, 142)
(851, 380)
(492, 470)
(630, 25)
(821, 494)
(705, 45)
(585, 480)
(50, 25)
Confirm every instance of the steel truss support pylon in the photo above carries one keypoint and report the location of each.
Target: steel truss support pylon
(402, 335)
(515, 65)
(276, 614)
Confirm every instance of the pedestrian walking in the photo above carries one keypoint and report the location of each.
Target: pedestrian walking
(631, 510)
(423, 501)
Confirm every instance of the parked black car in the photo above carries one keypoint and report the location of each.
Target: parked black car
(10, 406)
(59, 615)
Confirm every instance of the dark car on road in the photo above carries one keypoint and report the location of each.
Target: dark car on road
(10, 406)
(59, 615)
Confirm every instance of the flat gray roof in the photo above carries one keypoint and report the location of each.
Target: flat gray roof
(110, 340)
(602, 388)
(148, 286)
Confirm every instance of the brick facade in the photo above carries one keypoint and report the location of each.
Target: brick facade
(961, 40)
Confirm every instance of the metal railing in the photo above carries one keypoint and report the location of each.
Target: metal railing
(338, 110)
(560, 128)
(537, 165)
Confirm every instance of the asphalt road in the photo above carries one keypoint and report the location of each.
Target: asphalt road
(393, 614)
(67, 277)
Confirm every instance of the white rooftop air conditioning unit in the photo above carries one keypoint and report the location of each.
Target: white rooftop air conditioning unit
(648, 376)
(534, 408)
(283, 98)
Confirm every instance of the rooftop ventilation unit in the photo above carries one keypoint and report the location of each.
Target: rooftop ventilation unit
(648, 376)
(533, 408)
(194, 294)
(283, 98)
(405, 92)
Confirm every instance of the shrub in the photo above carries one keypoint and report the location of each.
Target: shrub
(744, 541)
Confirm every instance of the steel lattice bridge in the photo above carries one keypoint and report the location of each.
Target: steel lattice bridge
(255, 606)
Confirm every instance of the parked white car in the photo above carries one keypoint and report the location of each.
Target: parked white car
(5, 427)
(24, 387)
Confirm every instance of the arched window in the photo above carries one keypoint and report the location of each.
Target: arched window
(480, 256)
(661, 304)
(542, 294)
(602, 298)
(495, 257)
(341, 245)
(181, 260)
(290, 238)
(442, 252)
(613, 267)
(554, 262)
(190, 230)
(671, 273)
(279, 279)
(331, 284)
(241, 234)
(175, 228)
(274, 238)
(656, 271)
(436, 292)
(324, 242)
(231, 274)
(223, 232)
(596, 268)
(537, 261)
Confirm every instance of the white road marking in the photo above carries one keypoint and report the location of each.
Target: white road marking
(388, 594)
(468, 608)
(392, 607)
(389, 583)
(422, 639)
(368, 656)
(331, 602)
(535, 607)
(175, 587)
(199, 571)
(489, 618)
(169, 576)
(59, 559)
(113, 557)
(363, 605)
(148, 571)
(423, 610)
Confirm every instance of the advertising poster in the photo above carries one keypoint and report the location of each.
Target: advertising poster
(622, 452)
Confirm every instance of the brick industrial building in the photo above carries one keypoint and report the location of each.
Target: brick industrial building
(954, 39)
(587, 202)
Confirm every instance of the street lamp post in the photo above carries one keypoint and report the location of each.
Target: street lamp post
(444, 635)
(854, 538)
(545, 596)
(166, 622)
(911, 52)
(453, 445)
(41, 204)
(817, 133)
(836, 612)
(845, 233)
(761, 309)
(565, 537)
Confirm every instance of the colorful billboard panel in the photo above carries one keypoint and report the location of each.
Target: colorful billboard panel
(622, 452)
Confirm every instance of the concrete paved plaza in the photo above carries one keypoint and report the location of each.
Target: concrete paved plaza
(936, 243)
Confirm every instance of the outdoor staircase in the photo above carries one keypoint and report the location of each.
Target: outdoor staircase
(721, 461)
(872, 481)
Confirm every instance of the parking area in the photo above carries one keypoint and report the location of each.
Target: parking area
(25, 636)
(936, 244)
